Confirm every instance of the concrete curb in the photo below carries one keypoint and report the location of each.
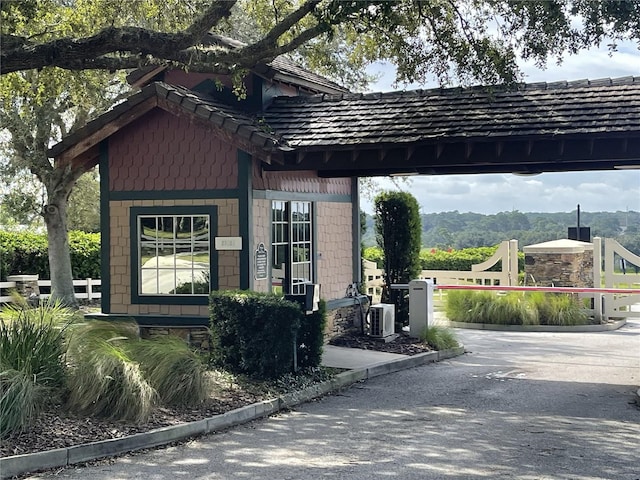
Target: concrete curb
(63, 457)
(540, 328)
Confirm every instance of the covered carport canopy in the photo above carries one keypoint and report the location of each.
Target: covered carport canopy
(543, 127)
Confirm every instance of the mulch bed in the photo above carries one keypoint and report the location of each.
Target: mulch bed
(403, 344)
(58, 428)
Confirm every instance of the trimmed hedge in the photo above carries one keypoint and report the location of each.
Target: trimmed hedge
(435, 259)
(253, 333)
(27, 253)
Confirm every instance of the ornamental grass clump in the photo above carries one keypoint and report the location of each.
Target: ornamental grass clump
(558, 309)
(174, 370)
(105, 379)
(32, 370)
(514, 308)
(468, 306)
(511, 309)
(439, 337)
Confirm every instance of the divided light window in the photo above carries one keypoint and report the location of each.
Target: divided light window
(291, 246)
(174, 254)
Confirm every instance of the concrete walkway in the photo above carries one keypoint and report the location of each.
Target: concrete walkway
(352, 358)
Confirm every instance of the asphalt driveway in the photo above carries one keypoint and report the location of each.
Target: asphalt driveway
(518, 405)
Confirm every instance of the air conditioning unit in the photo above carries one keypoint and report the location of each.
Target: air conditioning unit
(382, 319)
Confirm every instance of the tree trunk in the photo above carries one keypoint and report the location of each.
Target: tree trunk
(55, 218)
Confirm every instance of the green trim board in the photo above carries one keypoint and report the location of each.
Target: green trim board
(245, 212)
(134, 212)
(298, 196)
(105, 229)
(175, 194)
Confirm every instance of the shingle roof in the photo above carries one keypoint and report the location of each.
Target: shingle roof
(425, 116)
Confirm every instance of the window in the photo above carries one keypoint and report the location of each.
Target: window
(174, 254)
(291, 246)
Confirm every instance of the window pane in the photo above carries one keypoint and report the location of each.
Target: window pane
(174, 255)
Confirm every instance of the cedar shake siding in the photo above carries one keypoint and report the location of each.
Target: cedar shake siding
(228, 273)
(162, 152)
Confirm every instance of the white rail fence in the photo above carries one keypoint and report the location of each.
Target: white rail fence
(612, 296)
(506, 255)
(86, 289)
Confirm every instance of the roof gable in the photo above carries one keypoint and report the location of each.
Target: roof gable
(246, 130)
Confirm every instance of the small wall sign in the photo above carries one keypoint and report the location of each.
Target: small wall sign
(261, 263)
(228, 243)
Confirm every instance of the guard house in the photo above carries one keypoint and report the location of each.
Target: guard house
(190, 204)
(202, 191)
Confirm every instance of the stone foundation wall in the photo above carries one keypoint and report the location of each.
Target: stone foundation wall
(197, 337)
(342, 320)
(560, 269)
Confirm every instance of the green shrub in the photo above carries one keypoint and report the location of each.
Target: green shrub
(439, 337)
(105, 379)
(253, 332)
(27, 253)
(176, 372)
(32, 350)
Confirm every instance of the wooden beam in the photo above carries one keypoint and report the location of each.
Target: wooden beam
(439, 150)
(499, 148)
(529, 147)
(107, 130)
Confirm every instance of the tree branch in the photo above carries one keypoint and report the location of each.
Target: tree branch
(93, 52)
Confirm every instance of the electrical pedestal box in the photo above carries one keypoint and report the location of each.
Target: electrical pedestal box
(420, 306)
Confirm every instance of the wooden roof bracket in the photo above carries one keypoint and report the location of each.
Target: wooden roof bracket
(499, 149)
(468, 149)
(529, 147)
(439, 150)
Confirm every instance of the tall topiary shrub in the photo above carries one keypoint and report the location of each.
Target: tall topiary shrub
(398, 230)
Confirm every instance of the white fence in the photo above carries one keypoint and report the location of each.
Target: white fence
(612, 305)
(85, 289)
(506, 255)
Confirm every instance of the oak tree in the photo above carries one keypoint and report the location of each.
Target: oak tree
(61, 61)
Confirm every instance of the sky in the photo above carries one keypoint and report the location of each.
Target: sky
(598, 191)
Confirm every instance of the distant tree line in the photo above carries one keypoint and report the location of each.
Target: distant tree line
(466, 230)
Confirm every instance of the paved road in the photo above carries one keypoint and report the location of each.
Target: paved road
(518, 406)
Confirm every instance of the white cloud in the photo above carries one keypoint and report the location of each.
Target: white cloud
(549, 192)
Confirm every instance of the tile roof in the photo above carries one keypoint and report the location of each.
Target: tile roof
(426, 116)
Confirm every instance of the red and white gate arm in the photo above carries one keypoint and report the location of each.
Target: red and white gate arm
(505, 288)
